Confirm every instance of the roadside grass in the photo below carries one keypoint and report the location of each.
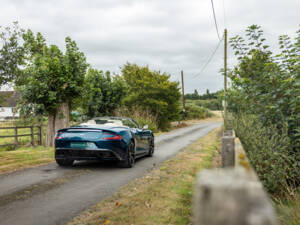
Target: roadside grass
(24, 157)
(288, 210)
(163, 196)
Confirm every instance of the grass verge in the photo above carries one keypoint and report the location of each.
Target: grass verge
(24, 157)
(162, 196)
(288, 210)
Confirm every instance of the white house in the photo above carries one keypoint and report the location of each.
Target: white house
(8, 103)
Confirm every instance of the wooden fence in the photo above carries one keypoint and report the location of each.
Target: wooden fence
(39, 135)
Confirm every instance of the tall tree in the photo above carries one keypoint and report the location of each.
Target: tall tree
(102, 93)
(154, 91)
(53, 80)
(11, 53)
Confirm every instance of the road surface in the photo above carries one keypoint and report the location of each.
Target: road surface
(49, 194)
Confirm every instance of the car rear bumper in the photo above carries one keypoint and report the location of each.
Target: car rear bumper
(87, 154)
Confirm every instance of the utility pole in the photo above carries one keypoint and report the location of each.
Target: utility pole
(182, 87)
(225, 76)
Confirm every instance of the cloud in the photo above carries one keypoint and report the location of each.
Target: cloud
(169, 35)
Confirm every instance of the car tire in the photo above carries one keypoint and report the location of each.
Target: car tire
(151, 149)
(130, 158)
(65, 162)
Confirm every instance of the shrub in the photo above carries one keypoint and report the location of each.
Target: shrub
(143, 117)
(268, 150)
(212, 104)
(153, 91)
(196, 112)
(102, 93)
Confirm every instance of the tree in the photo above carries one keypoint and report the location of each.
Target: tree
(152, 90)
(53, 80)
(196, 92)
(11, 53)
(264, 84)
(102, 93)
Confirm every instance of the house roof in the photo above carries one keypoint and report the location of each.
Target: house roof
(9, 98)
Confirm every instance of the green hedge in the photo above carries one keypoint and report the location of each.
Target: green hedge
(197, 112)
(269, 151)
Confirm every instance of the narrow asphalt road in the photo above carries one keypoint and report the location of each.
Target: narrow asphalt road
(49, 195)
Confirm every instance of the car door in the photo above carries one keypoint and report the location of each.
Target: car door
(145, 137)
(139, 145)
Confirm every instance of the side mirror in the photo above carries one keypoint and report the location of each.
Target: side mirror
(145, 127)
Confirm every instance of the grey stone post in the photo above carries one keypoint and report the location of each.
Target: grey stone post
(228, 151)
(231, 197)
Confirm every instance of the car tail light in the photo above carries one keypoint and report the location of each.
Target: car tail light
(111, 136)
(58, 136)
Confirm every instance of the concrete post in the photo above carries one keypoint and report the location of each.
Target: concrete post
(228, 151)
(231, 197)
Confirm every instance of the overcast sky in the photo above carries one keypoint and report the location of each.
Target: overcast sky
(166, 35)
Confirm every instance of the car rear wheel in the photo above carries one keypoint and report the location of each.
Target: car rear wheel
(130, 158)
(65, 162)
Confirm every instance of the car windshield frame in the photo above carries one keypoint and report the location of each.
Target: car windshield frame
(114, 120)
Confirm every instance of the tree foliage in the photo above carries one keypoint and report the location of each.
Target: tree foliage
(52, 80)
(152, 90)
(11, 53)
(207, 95)
(268, 86)
(51, 77)
(102, 93)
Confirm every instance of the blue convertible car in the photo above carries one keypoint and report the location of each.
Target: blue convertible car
(104, 138)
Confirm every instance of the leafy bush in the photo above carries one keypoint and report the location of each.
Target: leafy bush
(143, 117)
(102, 93)
(196, 112)
(153, 91)
(206, 96)
(212, 104)
(268, 150)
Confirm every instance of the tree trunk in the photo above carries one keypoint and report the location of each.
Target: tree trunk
(62, 117)
(57, 121)
(50, 130)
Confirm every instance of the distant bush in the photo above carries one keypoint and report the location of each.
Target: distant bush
(196, 112)
(212, 104)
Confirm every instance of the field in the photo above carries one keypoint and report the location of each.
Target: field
(22, 140)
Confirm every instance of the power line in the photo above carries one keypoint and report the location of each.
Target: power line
(216, 25)
(209, 59)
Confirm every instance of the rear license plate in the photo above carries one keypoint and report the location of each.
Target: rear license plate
(79, 145)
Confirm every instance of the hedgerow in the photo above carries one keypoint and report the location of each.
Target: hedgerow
(266, 88)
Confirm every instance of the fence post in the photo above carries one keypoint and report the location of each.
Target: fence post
(41, 134)
(228, 151)
(32, 136)
(16, 137)
(231, 197)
